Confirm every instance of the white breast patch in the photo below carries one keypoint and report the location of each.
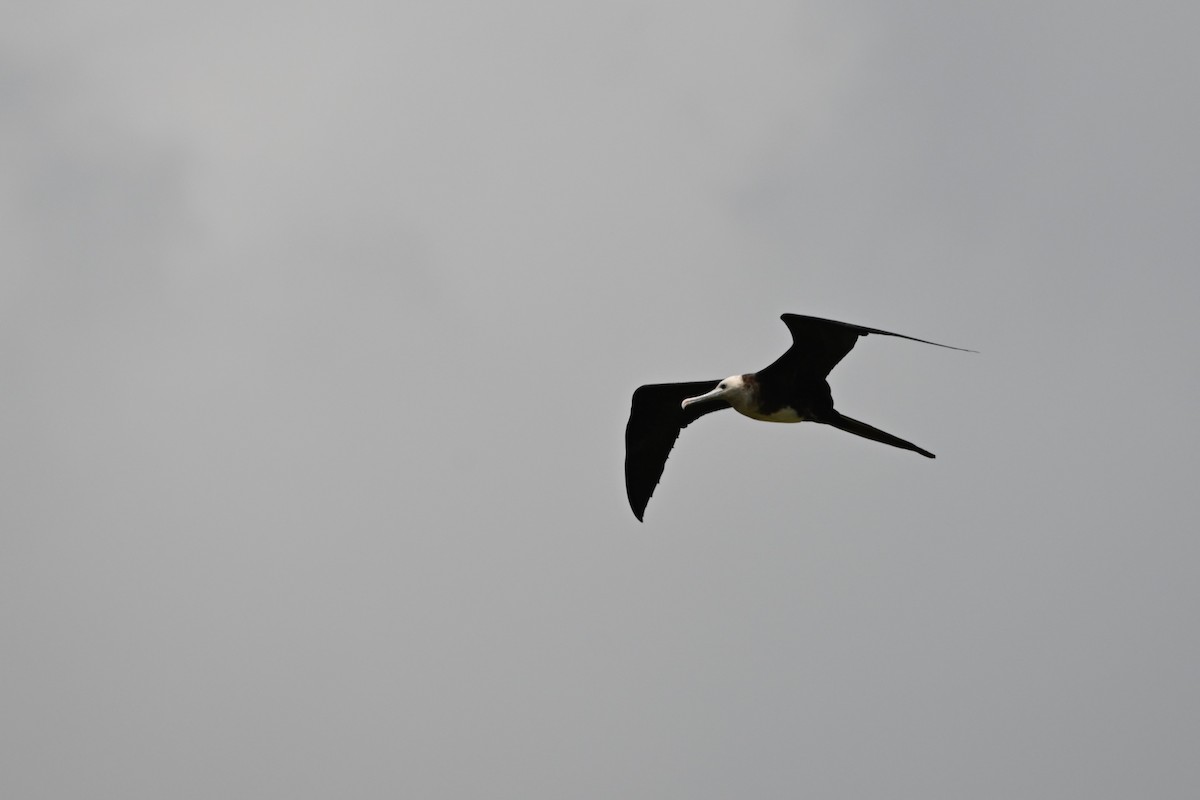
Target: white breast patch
(785, 414)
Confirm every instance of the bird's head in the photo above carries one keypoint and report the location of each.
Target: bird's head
(737, 390)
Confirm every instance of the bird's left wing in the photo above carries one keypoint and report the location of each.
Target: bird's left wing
(819, 344)
(655, 420)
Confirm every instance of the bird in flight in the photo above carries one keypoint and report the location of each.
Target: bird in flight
(793, 389)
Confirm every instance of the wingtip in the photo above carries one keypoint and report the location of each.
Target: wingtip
(638, 513)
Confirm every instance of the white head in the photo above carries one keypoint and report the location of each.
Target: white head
(737, 390)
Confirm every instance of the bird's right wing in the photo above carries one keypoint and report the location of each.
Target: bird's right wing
(655, 420)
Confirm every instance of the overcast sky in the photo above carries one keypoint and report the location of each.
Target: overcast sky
(318, 329)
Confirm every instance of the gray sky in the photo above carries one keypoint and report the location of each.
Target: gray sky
(319, 326)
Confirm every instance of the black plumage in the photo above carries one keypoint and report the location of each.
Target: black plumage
(792, 389)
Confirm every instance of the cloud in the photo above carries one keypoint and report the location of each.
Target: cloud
(320, 325)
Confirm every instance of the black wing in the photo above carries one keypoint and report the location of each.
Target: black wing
(819, 344)
(655, 420)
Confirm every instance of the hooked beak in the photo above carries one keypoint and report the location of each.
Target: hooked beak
(713, 395)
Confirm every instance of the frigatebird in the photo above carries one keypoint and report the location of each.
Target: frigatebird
(793, 389)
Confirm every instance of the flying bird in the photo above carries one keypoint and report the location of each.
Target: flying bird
(793, 389)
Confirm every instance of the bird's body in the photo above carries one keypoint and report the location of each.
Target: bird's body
(792, 389)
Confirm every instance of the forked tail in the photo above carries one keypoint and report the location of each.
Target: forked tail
(849, 425)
